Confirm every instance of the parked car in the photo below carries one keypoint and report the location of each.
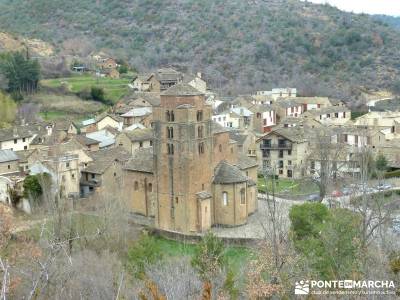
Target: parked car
(337, 193)
(313, 198)
(384, 186)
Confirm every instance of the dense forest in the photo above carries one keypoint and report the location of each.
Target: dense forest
(239, 45)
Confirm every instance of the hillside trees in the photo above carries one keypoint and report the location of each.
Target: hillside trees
(8, 110)
(21, 72)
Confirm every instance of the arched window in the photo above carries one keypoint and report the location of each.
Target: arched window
(172, 116)
(201, 148)
(170, 148)
(167, 116)
(220, 148)
(243, 196)
(200, 131)
(136, 186)
(224, 198)
(150, 187)
(170, 132)
(199, 115)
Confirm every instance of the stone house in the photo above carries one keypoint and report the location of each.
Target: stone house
(140, 115)
(287, 108)
(135, 139)
(101, 122)
(195, 81)
(17, 138)
(331, 115)
(107, 63)
(264, 118)
(284, 151)
(104, 175)
(237, 117)
(141, 83)
(88, 143)
(9, 162)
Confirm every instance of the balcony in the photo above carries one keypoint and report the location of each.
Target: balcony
(90, 182)
(279, 146)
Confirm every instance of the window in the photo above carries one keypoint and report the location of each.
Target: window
(172, 116)
(200, 132)
(281, 164)
(225, 198)
(167, 116)
(220, 148)
(150, 187)
(289, 152)
(23, 140)
(280, 153)
(200, 115)
(93, 176)
(67, 164)
(15, 141)
(243, 196)
(25, 147)
(201, 148)
(202, 186)
(176, 200)
(356, 139)
(73, 176)
(115, 174)
(170, 148)
(136, 186)
(151, 143)
(345, 138)
(170, 132)
(336, 115)
(289, 173)
(280, 172)
(140, 144)
(9, 167)
(289, 162)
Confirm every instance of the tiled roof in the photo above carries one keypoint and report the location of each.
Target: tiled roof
(8, 155)
(84, 140)
(217, 128)
(244, 162)
(182, 89)
(226, 173)
(203, 195)
(19, 132)
(103, 159)
(142, 161)
(138, 112)
(138, 135)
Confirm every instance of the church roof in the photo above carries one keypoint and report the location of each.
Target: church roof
(245, 162)
(182, 89)
(226, 173)
(142, 161)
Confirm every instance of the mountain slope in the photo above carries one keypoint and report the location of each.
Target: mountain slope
(240, 45)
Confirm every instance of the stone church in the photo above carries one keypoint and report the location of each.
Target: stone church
(193, 177)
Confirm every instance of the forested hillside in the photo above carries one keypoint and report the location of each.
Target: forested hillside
(239, 45)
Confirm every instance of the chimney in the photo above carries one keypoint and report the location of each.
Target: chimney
(15, 132)
(199, 74)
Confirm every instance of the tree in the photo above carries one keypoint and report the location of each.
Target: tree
(97, 94)
(381, 163)
(21, 72)
(208, 260)
(32, 188)
(8, 110)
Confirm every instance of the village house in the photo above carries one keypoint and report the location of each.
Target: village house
(16, 138)
(237, 117)
(378, 119)
(135, 139)
(9, 162)
(141, 83)
(287, 108)
(195, 81)
(284, 151)
(88, 143)
(331, 115)
(105, 137)
(104, 176)
(140, 115)
(310, 103)
(107, 63)
(101, 122)
(163, 79)
(277, 93)
(264, 118)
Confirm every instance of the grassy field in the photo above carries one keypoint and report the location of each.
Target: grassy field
(114, 88)
(236, 256)
(288, 186)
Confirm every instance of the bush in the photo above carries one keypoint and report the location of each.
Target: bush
(392, 174)
(146, 251)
